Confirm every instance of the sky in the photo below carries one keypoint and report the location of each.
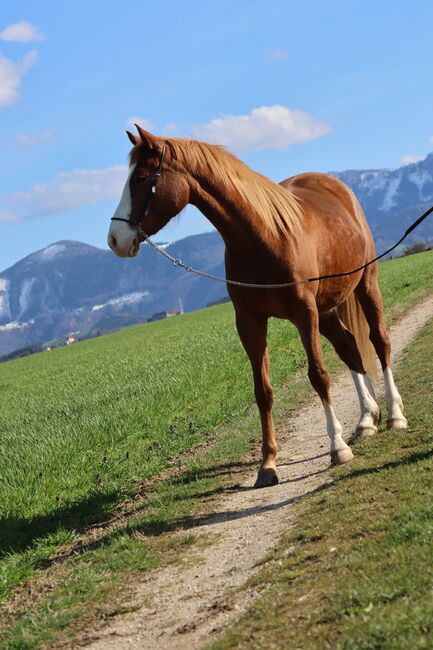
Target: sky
(287, 86)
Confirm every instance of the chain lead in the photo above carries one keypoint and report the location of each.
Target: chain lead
(178, 262)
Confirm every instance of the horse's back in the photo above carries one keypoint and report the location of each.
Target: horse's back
(329, 202)
(317, 186)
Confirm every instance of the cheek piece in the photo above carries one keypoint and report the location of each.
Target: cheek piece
(151, 195)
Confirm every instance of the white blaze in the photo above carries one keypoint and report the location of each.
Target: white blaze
(120, 230)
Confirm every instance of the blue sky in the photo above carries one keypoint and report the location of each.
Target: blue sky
(288, 86)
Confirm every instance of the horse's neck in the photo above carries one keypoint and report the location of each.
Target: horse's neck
(239, 226)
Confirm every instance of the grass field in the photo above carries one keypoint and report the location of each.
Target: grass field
(357, 572)
(82, 425)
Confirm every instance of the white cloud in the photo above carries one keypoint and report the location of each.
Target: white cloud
(278, 55)
(171, 127)
(26, 141)
(267, 127)
(65, 192)
(145, 124)
(11, 75)
(8, 217)
(29, 60)
(410, 158)
(22, 32)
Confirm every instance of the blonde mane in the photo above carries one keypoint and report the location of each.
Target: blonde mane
(277, 208)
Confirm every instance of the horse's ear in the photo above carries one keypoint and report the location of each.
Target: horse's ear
(147, 138)
(134, 138)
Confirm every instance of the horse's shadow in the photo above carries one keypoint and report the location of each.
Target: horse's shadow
(19, 534)
(158, 526)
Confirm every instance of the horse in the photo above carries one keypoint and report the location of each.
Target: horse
(309, 225)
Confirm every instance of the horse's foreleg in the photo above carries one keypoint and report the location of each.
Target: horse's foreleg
(252, 333)
(346, 347)
(308, 327)
(371, 301)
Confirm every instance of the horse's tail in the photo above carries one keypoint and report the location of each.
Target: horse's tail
(352, 315)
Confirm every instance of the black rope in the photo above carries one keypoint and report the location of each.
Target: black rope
(408, 231)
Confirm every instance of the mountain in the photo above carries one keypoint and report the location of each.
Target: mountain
(393, 199)
(71, 286)
(384, 192)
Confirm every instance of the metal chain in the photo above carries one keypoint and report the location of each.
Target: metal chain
(177, 262)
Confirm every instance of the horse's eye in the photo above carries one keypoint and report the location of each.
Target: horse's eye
(141, 179)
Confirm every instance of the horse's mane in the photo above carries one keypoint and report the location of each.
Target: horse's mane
(278, 208)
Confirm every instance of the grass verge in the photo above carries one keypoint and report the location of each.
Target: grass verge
(357, 571)
(83, 425)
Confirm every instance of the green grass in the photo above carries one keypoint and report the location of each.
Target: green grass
(81, 425)
(357, 572)
(404, 281)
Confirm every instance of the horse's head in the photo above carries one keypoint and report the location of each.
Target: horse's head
(155, 191)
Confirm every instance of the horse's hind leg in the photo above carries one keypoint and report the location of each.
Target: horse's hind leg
(252, 333)
(347, 349)
(308, 326)
(369, 296)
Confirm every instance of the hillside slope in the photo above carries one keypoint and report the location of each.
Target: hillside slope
(70, 286)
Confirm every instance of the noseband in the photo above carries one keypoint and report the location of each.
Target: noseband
(150, 197)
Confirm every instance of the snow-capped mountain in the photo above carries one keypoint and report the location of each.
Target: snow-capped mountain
(389, 191)
(70, 286)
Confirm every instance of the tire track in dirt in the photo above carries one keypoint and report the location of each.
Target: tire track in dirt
(188, 605)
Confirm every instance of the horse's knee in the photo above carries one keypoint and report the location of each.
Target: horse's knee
(264, 397)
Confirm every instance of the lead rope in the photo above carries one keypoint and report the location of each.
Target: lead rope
(177, 262)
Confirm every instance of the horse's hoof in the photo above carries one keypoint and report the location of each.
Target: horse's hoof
(341, 456)
(266, 478)
(365, 432)
(396, 423)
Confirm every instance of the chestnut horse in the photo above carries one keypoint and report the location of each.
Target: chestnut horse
(307, 226)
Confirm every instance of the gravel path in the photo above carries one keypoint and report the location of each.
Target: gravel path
(186, 606)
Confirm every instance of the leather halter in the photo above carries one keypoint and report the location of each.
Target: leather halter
(151, 195)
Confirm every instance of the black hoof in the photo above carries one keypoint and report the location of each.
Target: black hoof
(266, 478)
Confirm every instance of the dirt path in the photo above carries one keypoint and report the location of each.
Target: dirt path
(186, 606)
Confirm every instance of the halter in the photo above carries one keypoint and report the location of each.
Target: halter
(150, 197)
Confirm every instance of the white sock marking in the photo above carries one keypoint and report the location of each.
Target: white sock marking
(394, 402)
(368, 406)
(333, 428)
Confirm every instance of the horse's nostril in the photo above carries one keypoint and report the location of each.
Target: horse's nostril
(135, 241)
(113, 241)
